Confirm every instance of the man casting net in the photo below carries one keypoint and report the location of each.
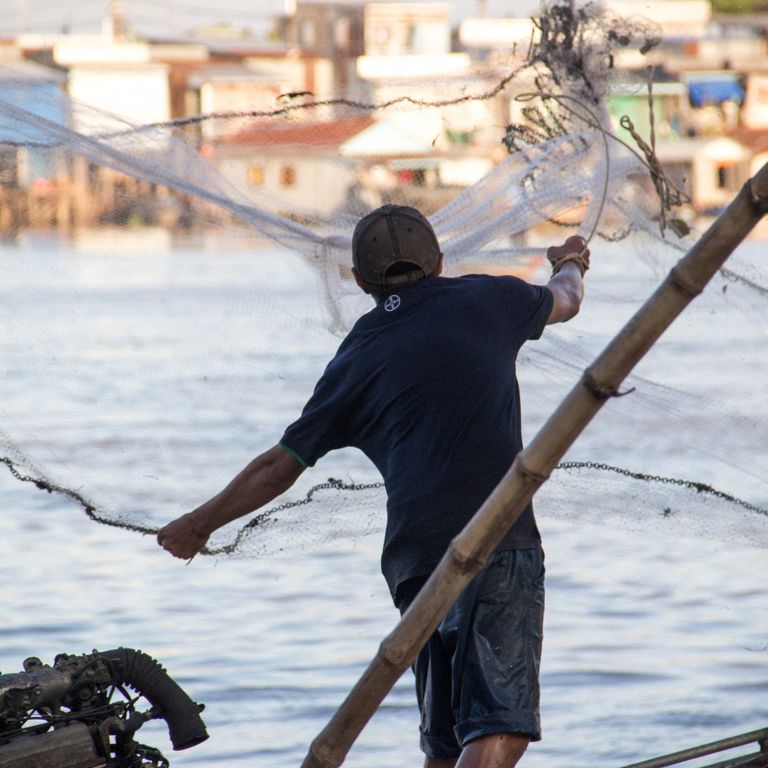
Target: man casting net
(561, 172)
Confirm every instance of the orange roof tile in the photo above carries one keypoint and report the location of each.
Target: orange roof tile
(316, 133)
(754, 139)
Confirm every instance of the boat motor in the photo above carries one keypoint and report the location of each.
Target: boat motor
(78, 713)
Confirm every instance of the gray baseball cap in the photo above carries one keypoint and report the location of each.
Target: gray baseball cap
(394, 234)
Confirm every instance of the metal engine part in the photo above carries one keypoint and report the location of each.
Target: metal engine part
(78, 713)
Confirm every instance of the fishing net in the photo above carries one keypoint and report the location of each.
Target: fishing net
(172, 291)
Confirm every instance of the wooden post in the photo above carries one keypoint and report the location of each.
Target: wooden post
(80, 192)
(469, 551)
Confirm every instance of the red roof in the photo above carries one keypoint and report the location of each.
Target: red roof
(316, 133)
(755, 139)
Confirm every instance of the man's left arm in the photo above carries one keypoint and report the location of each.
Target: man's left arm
(265, 478)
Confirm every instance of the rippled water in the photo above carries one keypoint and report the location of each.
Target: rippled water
(649, 646)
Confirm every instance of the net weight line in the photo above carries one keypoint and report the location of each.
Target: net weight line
(267, 516)
(95, 513)
(693, 485)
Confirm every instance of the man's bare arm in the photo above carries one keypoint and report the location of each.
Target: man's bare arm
(265, 478)
(569, 261)
(567, 288)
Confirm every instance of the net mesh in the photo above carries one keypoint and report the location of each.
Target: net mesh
(151, 353)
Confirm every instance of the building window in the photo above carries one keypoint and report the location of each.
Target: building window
(256, 175)
(721, 179)
(381, 36)
(308, 33)
(726, 177)
(287, 176)
(411, 39)
(341, 33)
(454, 136)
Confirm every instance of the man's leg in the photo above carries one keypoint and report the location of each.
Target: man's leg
(502, 750)
(440, 762)
(501, 641)
(511, 592)
(499, 750)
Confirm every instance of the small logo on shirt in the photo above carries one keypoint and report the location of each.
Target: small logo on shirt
(392, 303)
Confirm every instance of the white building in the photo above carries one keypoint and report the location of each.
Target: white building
(498, 34)
(711, 170)
(137, 93)
(677, 19)
(409, 45)
(114, 77)
(294, 168)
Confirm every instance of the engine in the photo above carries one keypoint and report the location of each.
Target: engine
(80, 713)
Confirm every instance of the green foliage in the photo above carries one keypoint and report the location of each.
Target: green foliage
(462, 138)
(741, 7)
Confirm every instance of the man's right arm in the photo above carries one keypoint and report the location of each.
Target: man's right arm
(566, 283)
(567, 289)
(265, 478)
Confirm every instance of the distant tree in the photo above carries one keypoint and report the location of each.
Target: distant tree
(742, 7)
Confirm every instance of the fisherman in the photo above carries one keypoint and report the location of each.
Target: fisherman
(425, 385)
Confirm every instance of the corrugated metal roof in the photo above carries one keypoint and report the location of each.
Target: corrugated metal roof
(30, 72)
(229, 73)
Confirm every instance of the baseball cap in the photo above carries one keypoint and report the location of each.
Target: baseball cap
(394, 234)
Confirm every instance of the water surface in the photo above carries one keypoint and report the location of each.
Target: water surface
(153, 374)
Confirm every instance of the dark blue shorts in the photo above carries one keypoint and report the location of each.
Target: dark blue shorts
(479, 672)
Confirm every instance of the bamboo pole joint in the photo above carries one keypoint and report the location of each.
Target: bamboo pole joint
(683, 283)
(602, 390)
(538, 478)
(465, 563)
(318, 757)
(391, 654)
(759, 201)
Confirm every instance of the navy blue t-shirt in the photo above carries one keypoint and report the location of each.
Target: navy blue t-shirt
(425, 386)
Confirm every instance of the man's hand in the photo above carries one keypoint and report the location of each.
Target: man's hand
(265, 478)
(573, 250)
(182, 537)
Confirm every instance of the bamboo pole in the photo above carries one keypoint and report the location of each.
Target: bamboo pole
(469, 551)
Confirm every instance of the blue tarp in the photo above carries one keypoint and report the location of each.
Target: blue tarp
(36, 99)
(39, 99)
(715, 91)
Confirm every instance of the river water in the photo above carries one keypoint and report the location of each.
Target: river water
(651, 645)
